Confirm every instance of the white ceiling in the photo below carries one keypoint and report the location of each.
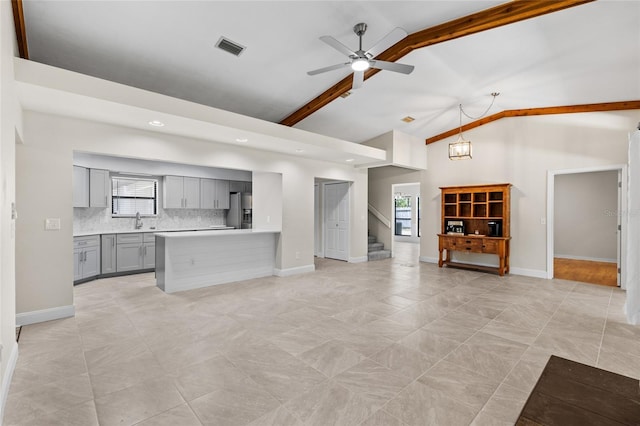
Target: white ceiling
(585, 54)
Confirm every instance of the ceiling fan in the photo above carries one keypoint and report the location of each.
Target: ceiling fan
(361, 60)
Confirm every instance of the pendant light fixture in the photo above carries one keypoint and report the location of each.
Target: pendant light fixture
(461, 148)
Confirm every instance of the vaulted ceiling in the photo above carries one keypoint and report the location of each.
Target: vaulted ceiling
(584, 54)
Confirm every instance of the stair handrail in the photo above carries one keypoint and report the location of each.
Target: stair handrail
(386, 222)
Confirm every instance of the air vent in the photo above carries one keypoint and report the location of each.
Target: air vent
(230, 46)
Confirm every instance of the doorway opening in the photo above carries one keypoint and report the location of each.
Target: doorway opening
(406, 212)
(584, 232)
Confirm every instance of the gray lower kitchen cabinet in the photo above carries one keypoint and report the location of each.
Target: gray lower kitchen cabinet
(149, 255)
(135, 251)
(108, 252)
(86, 257)
(128, 257)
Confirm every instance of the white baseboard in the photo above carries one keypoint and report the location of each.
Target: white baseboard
(7, 376)
(26, 318)
(535, 273)
(294, 271)
(360, 259)
(428, 259)
(591, 259)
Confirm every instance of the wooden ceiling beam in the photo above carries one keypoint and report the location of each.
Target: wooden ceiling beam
(21, 32)
(504, 14)
(568, 109)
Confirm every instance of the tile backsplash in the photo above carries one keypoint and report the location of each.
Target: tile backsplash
(100, 220)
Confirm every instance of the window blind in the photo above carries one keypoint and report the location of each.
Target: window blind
(131, 195)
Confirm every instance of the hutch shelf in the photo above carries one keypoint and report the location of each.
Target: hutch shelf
(476, 219)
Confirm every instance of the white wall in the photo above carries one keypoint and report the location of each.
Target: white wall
(585, 221)
(10, 128)
(520, 151)
(44, 175)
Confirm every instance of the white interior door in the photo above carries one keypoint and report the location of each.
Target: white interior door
(336, 214)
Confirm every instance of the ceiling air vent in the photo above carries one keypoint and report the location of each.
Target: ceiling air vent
(230, 46)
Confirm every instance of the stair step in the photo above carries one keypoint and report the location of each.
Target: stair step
(372, 239)
(376, 246)
(379, 255)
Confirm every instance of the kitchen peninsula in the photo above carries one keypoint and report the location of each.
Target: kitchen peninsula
(190, 260)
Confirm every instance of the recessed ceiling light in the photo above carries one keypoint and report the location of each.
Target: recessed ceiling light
(156, 123)
(299, 150)
(408, 119)
(242, 139)
(345, 95)
(349, 160)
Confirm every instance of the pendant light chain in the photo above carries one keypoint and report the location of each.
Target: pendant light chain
(494, 95)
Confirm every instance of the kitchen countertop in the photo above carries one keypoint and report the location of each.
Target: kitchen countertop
(208, 233)
(155, 231)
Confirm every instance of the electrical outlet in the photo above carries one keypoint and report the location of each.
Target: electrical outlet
(297, 255)
(543, 220)
(268, 219)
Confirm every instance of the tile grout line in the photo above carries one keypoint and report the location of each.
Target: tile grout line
(604, 327)
(520, 359)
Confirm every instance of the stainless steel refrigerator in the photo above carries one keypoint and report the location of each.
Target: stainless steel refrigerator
(239, 213)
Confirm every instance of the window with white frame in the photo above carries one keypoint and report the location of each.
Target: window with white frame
(131, 195)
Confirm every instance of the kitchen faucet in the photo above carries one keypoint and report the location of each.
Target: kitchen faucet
(138, 221)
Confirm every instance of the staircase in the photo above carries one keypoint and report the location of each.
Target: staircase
(376, 250)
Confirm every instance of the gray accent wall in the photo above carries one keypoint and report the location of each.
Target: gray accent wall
(585, 209)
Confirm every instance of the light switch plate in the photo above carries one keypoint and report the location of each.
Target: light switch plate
(52, 224)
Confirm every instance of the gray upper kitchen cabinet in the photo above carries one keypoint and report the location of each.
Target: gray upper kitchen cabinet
(181, 192)
(86, 257)
(90, 187)
(108, 252)
(222, 194)
(80, 186)
(239, 186)
(99, 188)
(214, 194)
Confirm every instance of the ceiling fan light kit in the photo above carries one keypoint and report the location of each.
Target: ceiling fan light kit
(360, 60)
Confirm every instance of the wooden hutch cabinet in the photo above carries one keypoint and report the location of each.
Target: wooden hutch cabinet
(476, 219)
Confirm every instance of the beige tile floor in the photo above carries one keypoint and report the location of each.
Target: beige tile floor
(393, 342)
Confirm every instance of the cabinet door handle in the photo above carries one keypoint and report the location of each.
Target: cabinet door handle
(113, 242)
(145, 250)
(79, 257)
(106, 202)
(85, 256)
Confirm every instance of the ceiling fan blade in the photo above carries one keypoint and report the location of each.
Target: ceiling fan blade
(358, 79)
(338, 46)
(330, 68)
(392, 66)
(387, 41)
